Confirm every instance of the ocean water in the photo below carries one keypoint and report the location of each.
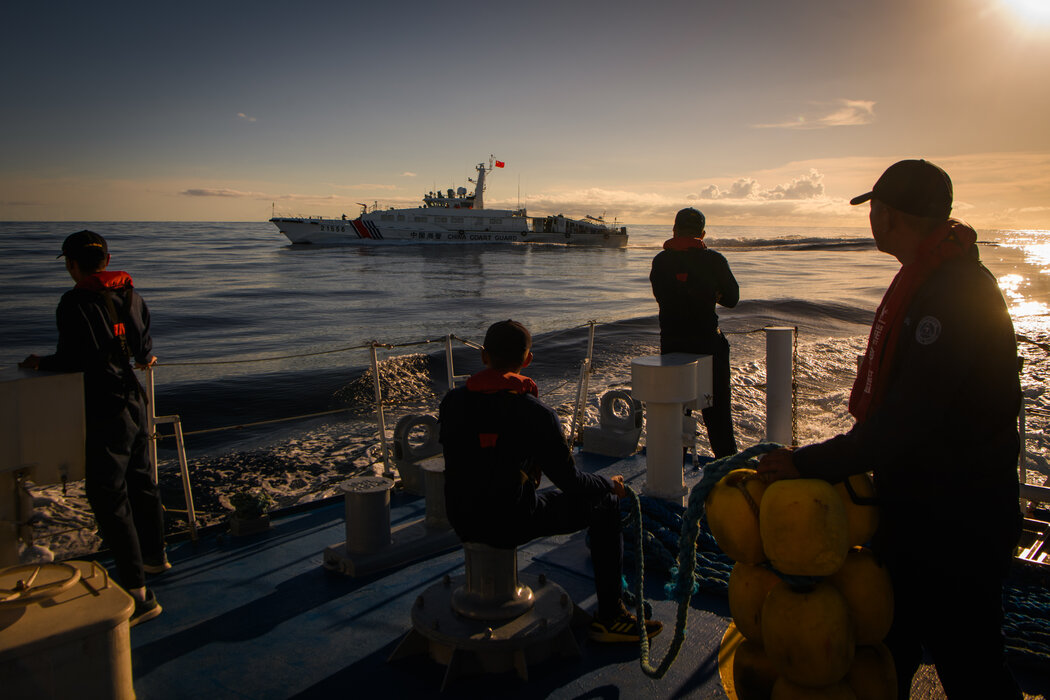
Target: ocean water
(250, 331)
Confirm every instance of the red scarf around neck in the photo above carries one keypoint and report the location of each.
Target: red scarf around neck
(97, 281)
(951, 240)
(493, 380)
(681, 243)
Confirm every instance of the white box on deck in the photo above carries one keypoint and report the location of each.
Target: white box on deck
(42, 426)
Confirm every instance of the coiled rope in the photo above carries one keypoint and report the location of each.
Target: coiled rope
(682, 584)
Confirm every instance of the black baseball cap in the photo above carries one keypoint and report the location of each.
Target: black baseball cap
(916, 187)
(689, 222)
(84, 244)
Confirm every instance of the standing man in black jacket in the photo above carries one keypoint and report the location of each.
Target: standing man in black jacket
(103, 326)
(499, 439)
(688, 279)
(936, 402)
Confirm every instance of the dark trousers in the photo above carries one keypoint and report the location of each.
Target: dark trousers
(718, 419)
(951, 607)
(120, 488)
(559, 513)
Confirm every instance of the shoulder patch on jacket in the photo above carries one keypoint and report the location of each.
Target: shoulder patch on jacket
(928, 330)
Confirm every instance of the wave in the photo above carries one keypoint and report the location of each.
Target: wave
(812, 314)
(843, 243)
(798, 243)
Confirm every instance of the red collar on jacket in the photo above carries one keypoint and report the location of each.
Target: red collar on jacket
(493, 380)
(683, 243)
(97, 281)
(952, 240)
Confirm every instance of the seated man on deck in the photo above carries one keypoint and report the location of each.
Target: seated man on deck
(499, 439)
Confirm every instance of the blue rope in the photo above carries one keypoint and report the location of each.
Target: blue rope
(1026, 622)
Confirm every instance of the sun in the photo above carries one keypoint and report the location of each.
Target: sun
(1037, 11)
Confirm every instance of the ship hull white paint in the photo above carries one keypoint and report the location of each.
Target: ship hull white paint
(346, 232)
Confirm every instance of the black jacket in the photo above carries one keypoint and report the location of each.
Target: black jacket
(496, 445)
(88, 341)
(687, 284)
(943, 444)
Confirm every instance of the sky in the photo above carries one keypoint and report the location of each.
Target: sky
(757, 112)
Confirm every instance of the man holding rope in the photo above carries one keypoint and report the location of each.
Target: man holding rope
(936, 401)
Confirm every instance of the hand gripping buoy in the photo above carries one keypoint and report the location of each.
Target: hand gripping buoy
(416, 438)
(608, 416)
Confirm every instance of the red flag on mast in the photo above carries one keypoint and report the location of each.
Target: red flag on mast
(500, 164)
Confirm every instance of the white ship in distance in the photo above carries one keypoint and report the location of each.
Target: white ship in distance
(452, 217)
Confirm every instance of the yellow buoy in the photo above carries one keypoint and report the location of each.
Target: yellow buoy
(873, 675)
(808, 635)
(748, 587)
(753, 672)
(803, 527)
(865, 584)
(784, 689)
(732, 514)
(861, 518)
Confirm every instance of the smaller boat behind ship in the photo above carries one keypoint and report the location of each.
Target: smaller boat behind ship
(453, 217)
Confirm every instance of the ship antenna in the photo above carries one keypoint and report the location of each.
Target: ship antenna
(479, 186)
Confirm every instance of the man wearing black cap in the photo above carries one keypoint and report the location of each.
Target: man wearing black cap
(103, 326)
(935, 401)
(688, 279)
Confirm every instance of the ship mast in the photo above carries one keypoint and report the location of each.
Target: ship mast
(479, 184)
(479, 187)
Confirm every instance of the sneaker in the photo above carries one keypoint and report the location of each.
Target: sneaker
(156, 566)
(623, 627)
(145, 610)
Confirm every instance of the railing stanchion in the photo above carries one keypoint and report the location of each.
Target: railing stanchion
(590, 341)
(380, 420)
(187, 491)
(151, 423)
(449, 369)
(586, 367)
(581, 399)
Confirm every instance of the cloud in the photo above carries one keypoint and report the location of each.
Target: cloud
(770, 206)
(238, 194)
(408, 174)
(311, 197)
(744, 200)
(361, 186)
(22, 203)
(245, 117)
(221, 192)
(841, 112)
(809, 186)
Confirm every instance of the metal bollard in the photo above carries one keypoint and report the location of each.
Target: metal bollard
(491, 591)
(434, 492)
(367, 504)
